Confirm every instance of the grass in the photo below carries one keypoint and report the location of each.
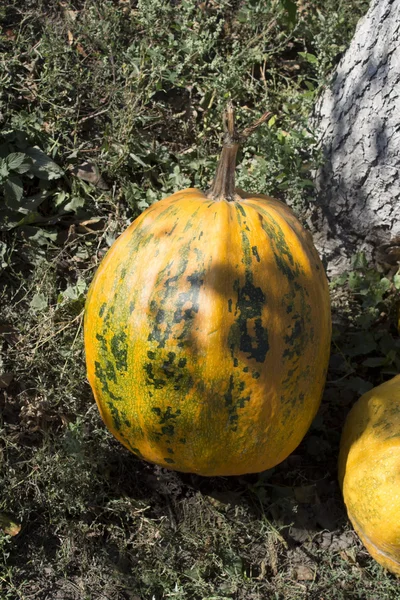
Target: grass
(136, 90)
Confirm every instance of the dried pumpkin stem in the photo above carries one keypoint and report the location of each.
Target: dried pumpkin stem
(223, 186)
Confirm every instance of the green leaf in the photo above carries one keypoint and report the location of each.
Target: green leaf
(358, 385)
(13, 191)
(339, 280)
(38, 302)
(311, 58)
(291, 8)
(138, 160)
(396, 281)
(15, 160)
(60, 197)
(388, 344)
(42, 166)
(74, 204)
(42, 237)
(3, 251)
(359, 261)
(29, 204)
(384, 285)
(74, 292)
(304, 183)
(375, 361)
(4, 170)
(355, 280)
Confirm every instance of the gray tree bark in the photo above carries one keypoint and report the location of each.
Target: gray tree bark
(358, 123)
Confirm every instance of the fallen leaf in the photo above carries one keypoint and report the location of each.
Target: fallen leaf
(90, 172)
(81, 50)
(8, 525)
(305, 493)
(10, 34)
(71, 14)
(348, 556)
(90, 225)
(70, 38)
(305, 573)
(6, 379)
(6, 329)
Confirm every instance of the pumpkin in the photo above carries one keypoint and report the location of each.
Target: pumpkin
(369, 471)
(207, 329)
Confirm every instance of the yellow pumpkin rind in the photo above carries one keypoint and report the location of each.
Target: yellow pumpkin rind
(383, 558)
(369, 472)
(285, 385)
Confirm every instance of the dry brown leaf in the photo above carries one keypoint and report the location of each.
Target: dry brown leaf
(305, 573)
(6, 329)
(89, 172)
(6, 379)
(81, 50)
(348, 556)
(90, 226)
(305, 493)
(70, 37)
(71, 14)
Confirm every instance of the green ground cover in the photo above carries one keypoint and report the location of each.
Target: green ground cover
(105, 107)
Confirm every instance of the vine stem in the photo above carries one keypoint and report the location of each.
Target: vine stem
(223, 186)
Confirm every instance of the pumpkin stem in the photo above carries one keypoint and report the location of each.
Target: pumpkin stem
(223, 186)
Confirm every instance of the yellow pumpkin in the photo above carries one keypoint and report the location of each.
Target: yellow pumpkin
(207, 330)
(369, 471)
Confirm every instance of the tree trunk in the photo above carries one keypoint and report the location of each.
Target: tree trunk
(358, 120)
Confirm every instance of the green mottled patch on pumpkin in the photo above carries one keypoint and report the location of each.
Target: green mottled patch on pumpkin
(167, 370)
(249, 306)
(228, 395)
(134, 450)
(108, 316)
(191, 221)
(173, 229)
(169, 461)
(116, 418)
(382, 424)
(103, 378)
(157, 382)
(103, 342)
(110, 371)
(255, 253)
(296, 339)
(119, 350)
(240, 208)
(233, 404)
(284, 267)
(168, 430)
(102, 309)
(167, 420)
